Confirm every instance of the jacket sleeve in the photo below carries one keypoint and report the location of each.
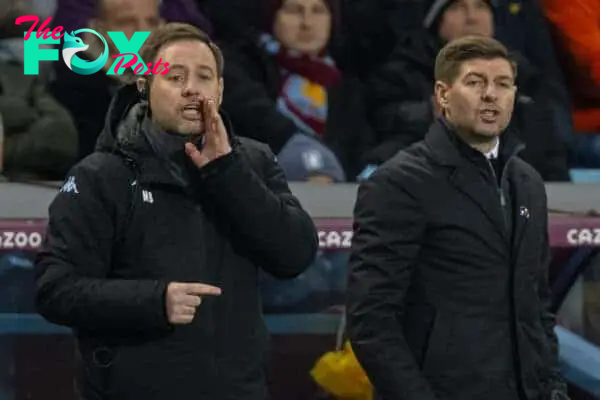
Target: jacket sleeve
(73, 286)
(388, 228)
(265, 216)
(552, 378)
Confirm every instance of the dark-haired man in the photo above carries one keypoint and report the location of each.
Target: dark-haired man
(448, 286)
(155, 240)
(400, 91)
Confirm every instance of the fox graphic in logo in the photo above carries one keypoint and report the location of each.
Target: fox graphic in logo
(73, 44)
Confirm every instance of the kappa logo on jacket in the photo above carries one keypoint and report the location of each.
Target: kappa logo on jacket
(70, 186)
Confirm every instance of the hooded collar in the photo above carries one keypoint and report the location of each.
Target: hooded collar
(158, 156)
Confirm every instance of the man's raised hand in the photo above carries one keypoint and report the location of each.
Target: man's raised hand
(216, 140)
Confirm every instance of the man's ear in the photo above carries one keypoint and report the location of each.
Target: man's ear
(141, 84)
(441, 94)
(142, 87)
(221, 88)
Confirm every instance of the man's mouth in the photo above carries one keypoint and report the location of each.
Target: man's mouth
(489, 115)
(192, 111)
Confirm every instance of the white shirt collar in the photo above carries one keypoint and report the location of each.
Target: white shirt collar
(494, 152)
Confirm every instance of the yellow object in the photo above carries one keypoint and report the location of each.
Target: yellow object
(340, 374)
(315, 92)
(514, 8)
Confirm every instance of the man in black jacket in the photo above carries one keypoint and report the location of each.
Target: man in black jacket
(155, 240)
(448, 286)
(399, 92)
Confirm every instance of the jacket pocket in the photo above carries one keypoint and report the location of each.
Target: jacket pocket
(436, 356)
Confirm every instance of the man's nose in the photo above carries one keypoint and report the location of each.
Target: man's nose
(471, 15)
(192, 88)
(490, 92)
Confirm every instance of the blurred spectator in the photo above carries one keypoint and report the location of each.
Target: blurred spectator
(88, 96)
(283, 82)
(231, 19)
(127, 15)
(578, 35)
(12, 45)
(400, 92)
(40, 140)
(319, 288)
(322, 285)
(305, 158)
(41, 8)
(307, 292)
(370, 29)
(522, 27)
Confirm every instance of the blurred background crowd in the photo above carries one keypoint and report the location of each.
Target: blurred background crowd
(335, 87)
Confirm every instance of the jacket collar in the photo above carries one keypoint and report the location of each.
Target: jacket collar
(139, 141)
(450, 150)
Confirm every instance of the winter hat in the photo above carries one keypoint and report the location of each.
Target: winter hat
(304, 156)
(269, 9)
(436, 9)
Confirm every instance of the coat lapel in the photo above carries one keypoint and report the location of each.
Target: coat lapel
(466, 177)
(469, 181)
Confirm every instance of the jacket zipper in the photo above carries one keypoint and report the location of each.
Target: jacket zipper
(513, 334)
(496, 184)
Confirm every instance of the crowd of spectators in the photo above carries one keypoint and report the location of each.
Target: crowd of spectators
(335, 87)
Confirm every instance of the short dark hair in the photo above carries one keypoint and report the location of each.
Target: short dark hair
(174, 32)
(450, 59)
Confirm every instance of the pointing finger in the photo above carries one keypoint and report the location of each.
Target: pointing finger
(201, 289)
